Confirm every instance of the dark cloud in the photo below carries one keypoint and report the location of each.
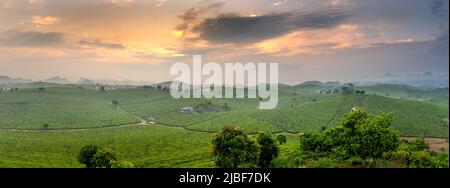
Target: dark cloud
(442, 43)
(192, 15)
(439, 9)
(241, 29)
(101, 44)
(14, 38)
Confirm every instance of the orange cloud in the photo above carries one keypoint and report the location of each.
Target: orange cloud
(7, 3)
(314, 41)
(47, 20)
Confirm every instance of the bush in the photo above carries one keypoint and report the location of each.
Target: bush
(96, 157)
(360, 134)
(416, 154)
(420, 144)
(115, 103)
(86, 155)
(281, 139)
(268, 151)
(103, 158)
(232, 148)
(356, 161)
(121, 164)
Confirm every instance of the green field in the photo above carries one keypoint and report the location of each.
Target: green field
(47, 128)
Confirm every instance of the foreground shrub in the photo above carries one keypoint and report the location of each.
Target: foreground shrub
(268, 150)
(104, 157)
(121, 164)
(416, 154)
(232, 148)
(360, 134)
(86, 155)
(96, 157)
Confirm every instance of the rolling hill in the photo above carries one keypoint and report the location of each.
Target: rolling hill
(46, 128)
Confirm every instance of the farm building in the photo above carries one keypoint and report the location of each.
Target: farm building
(187, 110)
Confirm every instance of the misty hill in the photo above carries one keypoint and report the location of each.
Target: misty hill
(85, 81)
(316, 86)
(440, 95)
(9, 80)
(57, 79)
(427, 79)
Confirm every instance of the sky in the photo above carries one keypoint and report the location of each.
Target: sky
(344, 40)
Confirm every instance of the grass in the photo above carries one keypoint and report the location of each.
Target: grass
(242, 120)
(58, 108)
(145, 146)
(412, 118)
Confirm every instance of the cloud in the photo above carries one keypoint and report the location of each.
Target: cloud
(47, 20)
(120, 2)
(35, 2)
(193, 15)
(101, 44)
(14, 38)
(7, 4)
(160, 2)
(395, 43)
(247, 29)
(438, 8)
(278, 3)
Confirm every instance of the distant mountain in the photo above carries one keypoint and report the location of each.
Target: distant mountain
(426, 79)
(332, 84)
(310, 83)
(85, 81)
(58, 80)
(9, 80)
(121, 82)
(4, 77)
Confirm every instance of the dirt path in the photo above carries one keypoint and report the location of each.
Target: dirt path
(142, 121)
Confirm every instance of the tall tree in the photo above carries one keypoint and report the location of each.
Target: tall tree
(269, 149)
(232, 148)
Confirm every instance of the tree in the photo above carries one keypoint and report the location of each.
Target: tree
(86, 155)
(226, 107)
(115, 103)
(347, 88)
(281, 139)
(232, 148)
(45, 126)
(104, 158)
(94, 156)
(420, 144)
(268, 151)
(360, 134)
